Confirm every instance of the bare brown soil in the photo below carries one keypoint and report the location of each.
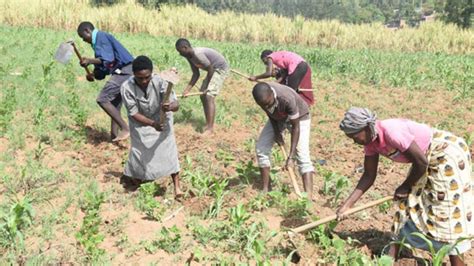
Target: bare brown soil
(104, 161)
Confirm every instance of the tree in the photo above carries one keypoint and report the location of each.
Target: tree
(458, 12)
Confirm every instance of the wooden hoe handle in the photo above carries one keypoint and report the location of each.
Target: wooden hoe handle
(239, 73)
(292, 172)
(80, 57)
(328, 219)
(166, 99)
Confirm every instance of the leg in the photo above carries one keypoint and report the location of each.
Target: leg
(112, 111)
(264, 148)
(205, 107)
(394, 251)
(213, 89)
(456, 260)
(110, 101)
(211, 113)
(308, 184)
(305, 166)
(177, 188)
(265, 173)
(114, 129)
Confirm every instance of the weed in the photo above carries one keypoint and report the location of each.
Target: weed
(89, 236)
(260, 202)
(122, 243)
(295, 209)
(169, 240)
(7, 107)
(147, 203)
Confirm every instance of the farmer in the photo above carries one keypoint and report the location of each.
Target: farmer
(285, 109)
(436, 198)
(153, 152)
(111, 58)
(217, 70)
(292, 70)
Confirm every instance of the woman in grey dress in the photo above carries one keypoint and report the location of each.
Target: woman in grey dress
(153, 152)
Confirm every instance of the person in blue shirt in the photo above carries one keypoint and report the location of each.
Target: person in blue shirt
(110, 58)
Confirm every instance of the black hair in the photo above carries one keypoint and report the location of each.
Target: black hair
(261, 91)
(85, 25)
(141, 63)
(265, 53)
(182, 42)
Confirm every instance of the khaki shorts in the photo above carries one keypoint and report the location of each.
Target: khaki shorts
(216, 83)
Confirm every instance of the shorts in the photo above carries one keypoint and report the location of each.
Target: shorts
(417, 242)
(216, 83)
(110, 93)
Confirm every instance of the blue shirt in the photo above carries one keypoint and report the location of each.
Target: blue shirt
(110, 51)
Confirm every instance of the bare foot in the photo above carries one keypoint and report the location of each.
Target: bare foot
(178, 194)
(124, 134)
(207, 132)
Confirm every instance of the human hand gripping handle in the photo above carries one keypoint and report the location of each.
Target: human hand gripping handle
(187, 90)
(341, 211)
(84, 64)
(252, 78)
(401, 192)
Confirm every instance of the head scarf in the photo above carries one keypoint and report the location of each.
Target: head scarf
(356, 119)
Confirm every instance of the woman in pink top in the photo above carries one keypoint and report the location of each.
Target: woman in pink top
(436, 198)
(294, 72)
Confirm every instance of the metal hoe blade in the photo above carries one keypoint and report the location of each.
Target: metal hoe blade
(64, 53)
(170, 75)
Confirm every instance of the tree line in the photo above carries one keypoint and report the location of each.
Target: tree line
(348, 11)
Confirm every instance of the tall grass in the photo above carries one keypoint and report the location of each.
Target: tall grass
(193, 22)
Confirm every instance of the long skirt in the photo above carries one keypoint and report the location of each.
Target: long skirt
(440, 204)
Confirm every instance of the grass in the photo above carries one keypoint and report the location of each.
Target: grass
(193, 22)
(52, 149)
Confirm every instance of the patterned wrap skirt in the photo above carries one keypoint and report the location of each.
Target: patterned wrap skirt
(440, 204)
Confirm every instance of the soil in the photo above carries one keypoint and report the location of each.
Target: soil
(104, 161)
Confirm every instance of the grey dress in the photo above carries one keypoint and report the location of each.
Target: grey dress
(153, 154)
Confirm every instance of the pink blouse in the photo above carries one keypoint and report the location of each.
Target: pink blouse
(395, 136)
(286, 60)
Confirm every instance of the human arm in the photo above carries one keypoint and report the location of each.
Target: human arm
(276, 130)
(147, 121)
(295, 136)
(194, 78)
(85, 61)
(365, 182)
(282, 76)
(418, 169)
(268, 72)
(172, 106)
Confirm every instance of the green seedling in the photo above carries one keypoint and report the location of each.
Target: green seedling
(14, 221)
(224, 156)
(247, 172)
(218, 191)
(238, 215)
